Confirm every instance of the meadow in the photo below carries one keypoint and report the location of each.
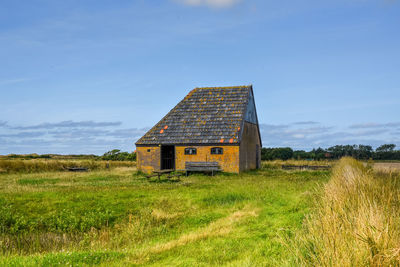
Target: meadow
(118, 217)
(268, 217)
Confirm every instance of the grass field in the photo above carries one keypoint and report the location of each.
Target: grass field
(345, 217)
(117, 217)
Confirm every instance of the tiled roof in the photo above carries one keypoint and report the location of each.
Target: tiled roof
(206, 115)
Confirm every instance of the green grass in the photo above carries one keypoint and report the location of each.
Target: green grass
(64, 259)
(37, 181)
(117, 217)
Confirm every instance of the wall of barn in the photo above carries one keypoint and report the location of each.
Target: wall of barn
(229, 160)
(250, 138)
(148, 158)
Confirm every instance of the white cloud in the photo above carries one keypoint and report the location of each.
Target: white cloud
(305, 122)
(68, 137)
(70, 124)
(210, 3)
(90, 137)
(375, 125)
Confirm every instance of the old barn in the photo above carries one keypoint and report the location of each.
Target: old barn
(216, 125)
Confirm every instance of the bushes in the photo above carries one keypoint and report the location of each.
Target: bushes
(283, 153)
(116, 154)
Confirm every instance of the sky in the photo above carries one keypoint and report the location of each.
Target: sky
(89, 76)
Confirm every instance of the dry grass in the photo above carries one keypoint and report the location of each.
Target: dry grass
(356, 221)
(160, 215)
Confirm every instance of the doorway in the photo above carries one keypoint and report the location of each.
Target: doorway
(167, 157)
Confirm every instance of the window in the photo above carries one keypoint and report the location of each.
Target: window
(190, 151)
(217, 150)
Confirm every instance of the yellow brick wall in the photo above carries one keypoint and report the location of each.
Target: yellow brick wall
(229, 160)
(148, 162)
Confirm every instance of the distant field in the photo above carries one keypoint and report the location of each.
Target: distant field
(387, 166)
(46, 165)
(116, 217)
(277, 164)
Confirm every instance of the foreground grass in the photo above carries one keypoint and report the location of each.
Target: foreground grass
(356, 221)
(117, 217)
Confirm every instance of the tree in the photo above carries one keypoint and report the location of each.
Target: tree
(386, 152)
(300, 154)
(283, 153)
(319, 153)
(386, 148)
(116, 154)
(364, 152)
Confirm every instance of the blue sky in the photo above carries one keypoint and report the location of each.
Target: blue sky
(89, 76)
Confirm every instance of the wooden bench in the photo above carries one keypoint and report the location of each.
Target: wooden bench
(203, 166)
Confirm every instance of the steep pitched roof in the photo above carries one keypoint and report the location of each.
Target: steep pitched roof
(208, 115)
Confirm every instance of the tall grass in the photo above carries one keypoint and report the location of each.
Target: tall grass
(46, 165)
(356, 221)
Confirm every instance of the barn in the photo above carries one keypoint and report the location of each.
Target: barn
(218, 125)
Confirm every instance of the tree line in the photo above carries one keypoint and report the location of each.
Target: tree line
(383, 152)
(114, 155)
(118, 155)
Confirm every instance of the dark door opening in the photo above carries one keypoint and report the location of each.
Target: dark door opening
(167, 157)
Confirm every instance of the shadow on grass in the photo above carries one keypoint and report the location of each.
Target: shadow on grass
(163, 180)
